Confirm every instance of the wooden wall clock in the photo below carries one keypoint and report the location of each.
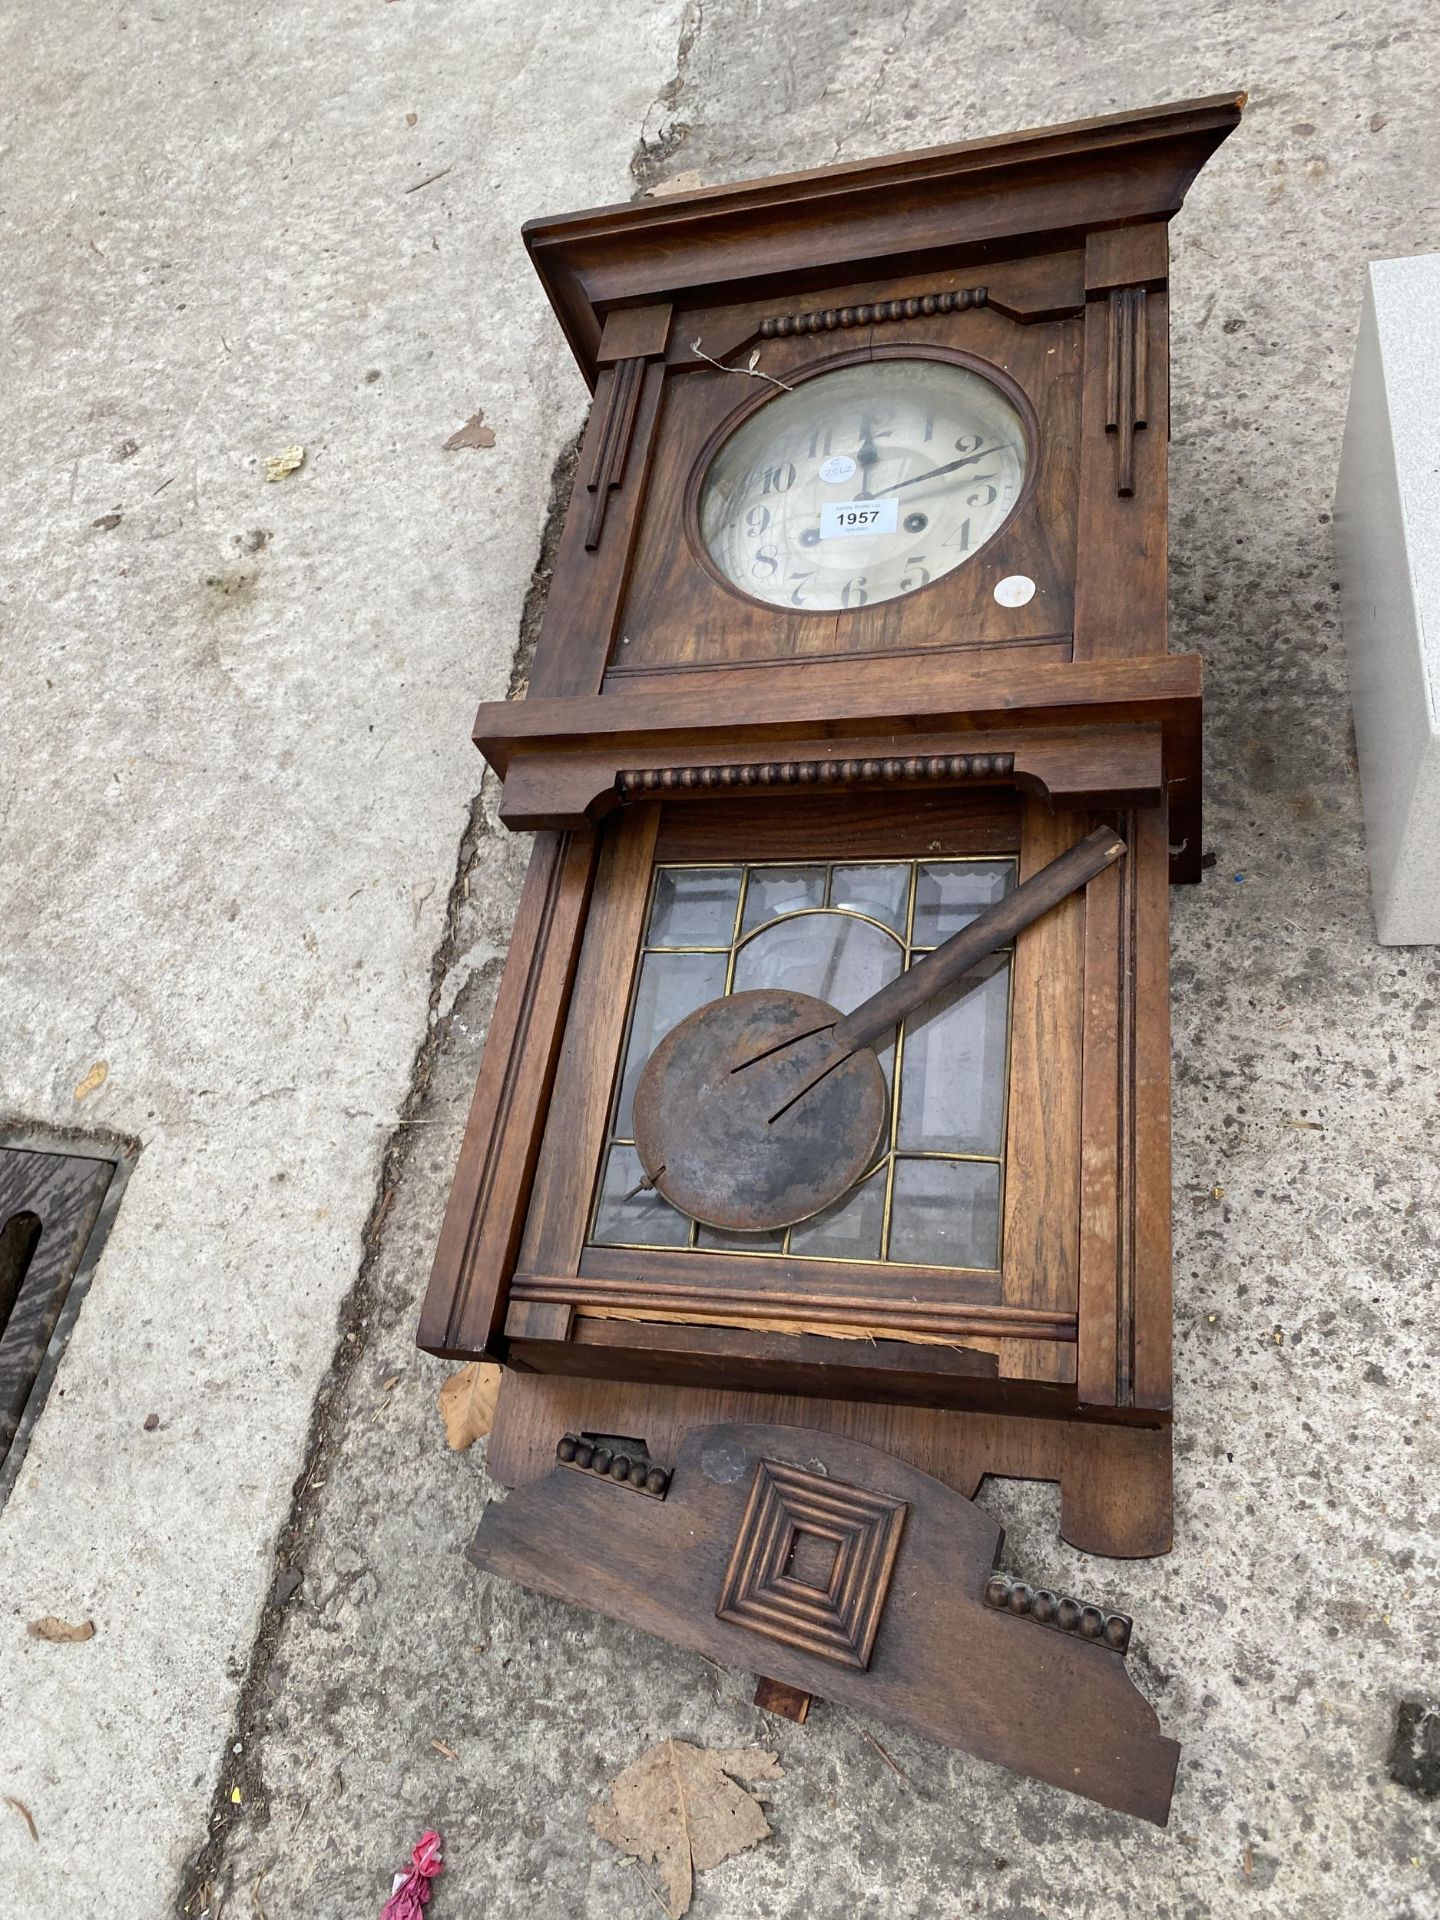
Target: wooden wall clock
(827, 1091)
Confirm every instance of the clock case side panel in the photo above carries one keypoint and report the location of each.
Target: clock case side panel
(1126, 1303)
(592, 561)
(463, 1313)
(1122, 576)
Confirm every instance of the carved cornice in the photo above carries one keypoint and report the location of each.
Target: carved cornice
(1093, 735)
(1058, 1611)
(781, 326)
(874, 218)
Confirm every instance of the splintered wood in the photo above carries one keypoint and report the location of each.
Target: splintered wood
(760, 1323)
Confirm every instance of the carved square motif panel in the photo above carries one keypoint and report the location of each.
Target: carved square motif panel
(801, 1529)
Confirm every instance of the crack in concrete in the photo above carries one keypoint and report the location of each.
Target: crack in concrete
(647, 165)
(891, 54)
(202, 1889)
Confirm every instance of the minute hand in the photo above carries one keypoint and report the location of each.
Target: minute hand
(966, 460)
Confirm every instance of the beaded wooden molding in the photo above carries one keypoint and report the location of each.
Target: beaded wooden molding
(1080, 768)
(869, 313)
(638, 1472)
(637, 781)
(1049, 1609)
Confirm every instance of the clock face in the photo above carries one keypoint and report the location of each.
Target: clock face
(863, 484)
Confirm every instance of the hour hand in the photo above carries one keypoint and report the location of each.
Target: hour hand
(866, 455)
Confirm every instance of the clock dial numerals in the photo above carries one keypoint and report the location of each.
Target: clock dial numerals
(863, 484)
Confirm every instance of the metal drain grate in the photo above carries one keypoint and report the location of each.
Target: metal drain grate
(51, 1228)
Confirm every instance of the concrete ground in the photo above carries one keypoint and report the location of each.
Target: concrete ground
(234, 781)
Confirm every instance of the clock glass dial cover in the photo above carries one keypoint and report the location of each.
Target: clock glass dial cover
(863, 484)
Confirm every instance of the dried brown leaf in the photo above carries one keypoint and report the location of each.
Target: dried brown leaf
(49, 1628)
(474, 433)
(679, 1806)
(467, 1403)
(25, 1814)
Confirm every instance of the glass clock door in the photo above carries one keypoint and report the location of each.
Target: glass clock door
(838, 930)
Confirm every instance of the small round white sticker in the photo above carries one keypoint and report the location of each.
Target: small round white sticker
(1015, 590)
(837, 468)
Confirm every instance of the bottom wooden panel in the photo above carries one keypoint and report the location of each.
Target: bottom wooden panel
(838, 1570)
(1115, 1480)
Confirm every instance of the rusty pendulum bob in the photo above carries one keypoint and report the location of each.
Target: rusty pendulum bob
(762, 1108)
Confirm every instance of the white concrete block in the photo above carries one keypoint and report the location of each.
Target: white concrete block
(1387, 543)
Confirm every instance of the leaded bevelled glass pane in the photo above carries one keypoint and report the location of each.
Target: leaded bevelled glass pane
(694, 907)
(722, 1239)
(881, 892)
(946, 1213)
(949, 894)
(625, 1218)
(833, 956)
(772, 891)
(848, 1230)
(670, 986)
(952, 1075)
(820, 929)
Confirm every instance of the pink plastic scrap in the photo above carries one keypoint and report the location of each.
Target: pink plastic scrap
(412, 1888)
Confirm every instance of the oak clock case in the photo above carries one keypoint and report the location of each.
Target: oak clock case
(854, 752)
